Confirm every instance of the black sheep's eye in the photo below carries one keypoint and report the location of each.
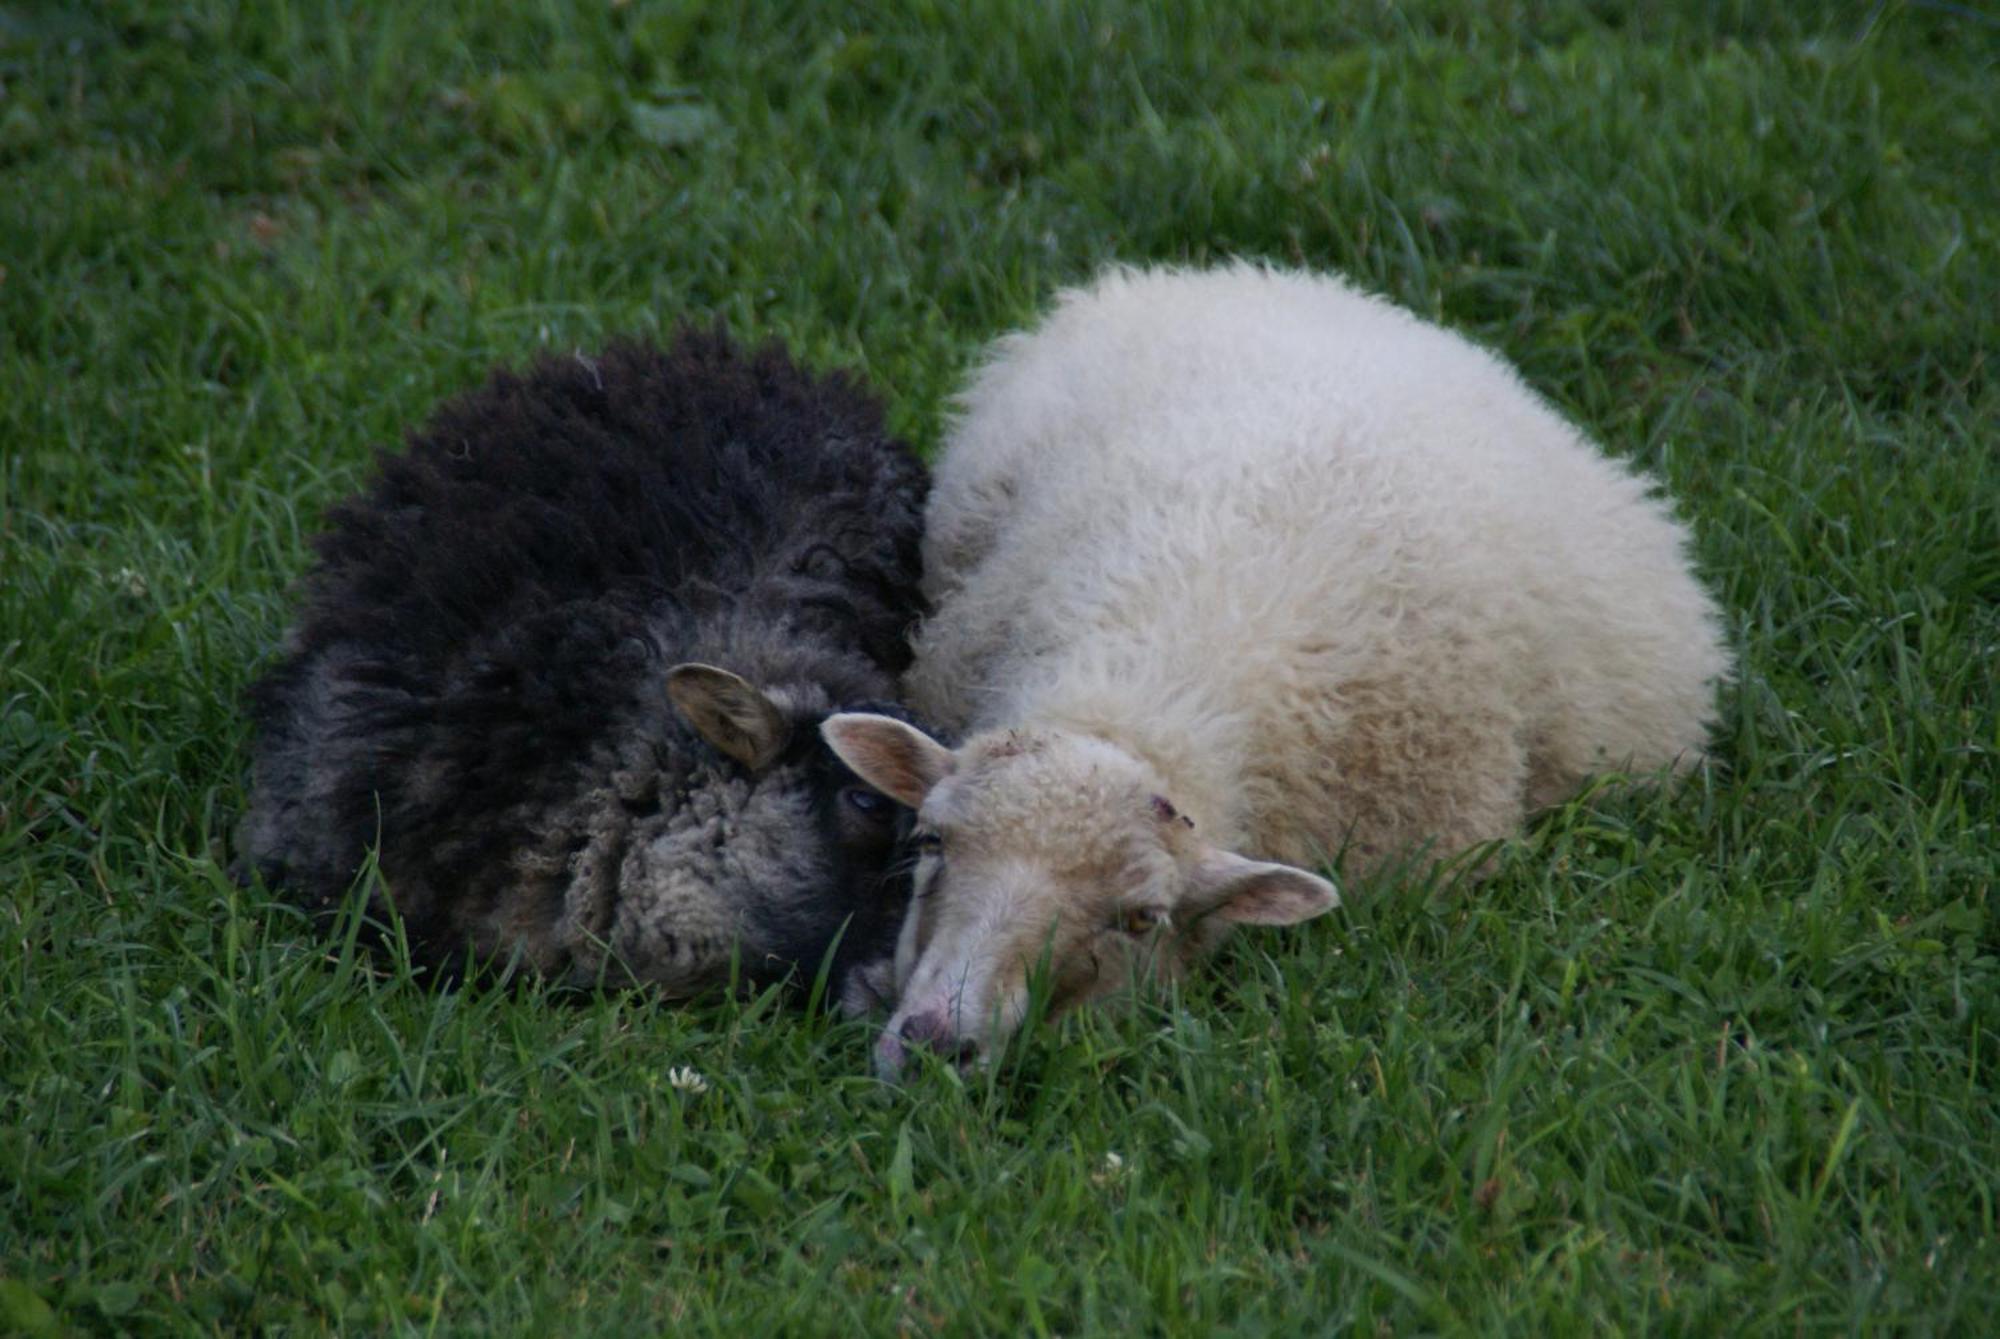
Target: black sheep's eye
(867, 802)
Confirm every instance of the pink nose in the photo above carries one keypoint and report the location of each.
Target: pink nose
(929, 1031)
(926, 1029)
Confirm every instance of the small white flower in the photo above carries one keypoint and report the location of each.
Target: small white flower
(1109, 1170)
(131, 581)
(687, 1079)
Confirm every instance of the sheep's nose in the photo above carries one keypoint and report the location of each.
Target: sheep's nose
(927, 1029)
(932, 1032)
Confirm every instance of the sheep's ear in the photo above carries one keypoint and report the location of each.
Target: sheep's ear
(899, 760)
(730, 713)
(1253, 892)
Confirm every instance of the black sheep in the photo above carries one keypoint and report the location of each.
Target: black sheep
(503, 675)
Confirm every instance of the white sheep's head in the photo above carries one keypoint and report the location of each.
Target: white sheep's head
(1041, 846)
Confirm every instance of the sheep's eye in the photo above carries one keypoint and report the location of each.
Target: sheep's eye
(1141, 920)
(864, 801)
(930, 843)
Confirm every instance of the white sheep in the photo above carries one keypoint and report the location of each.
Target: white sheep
(1239, 566)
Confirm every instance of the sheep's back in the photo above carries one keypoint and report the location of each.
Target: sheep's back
(1226, 496)
(695, 473)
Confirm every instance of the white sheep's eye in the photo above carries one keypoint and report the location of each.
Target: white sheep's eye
(927, 842)
(1141, 920)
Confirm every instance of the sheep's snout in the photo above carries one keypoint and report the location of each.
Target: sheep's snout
(928, 1031)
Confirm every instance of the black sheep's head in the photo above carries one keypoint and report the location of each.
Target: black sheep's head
(812, 856)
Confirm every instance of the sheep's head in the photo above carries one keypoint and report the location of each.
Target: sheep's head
(1046, 847)
(807, 851)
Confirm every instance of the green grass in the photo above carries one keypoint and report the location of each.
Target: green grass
(1718, 1060)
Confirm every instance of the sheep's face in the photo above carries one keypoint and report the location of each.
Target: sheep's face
(1043, 850)
(789, 846)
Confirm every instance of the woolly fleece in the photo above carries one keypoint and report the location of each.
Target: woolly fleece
(478, 676)
(1328, 579)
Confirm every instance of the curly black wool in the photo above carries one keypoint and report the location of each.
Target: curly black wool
(476, 679)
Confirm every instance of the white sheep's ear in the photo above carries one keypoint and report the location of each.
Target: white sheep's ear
(729, 712)
(1252, 892)
(899, 760)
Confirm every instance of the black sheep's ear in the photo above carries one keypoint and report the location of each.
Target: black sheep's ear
(730, 713)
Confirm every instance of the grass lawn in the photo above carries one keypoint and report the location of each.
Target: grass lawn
(1722, 1059)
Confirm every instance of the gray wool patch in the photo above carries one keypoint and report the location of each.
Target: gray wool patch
(657, 874)
(692, 883)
